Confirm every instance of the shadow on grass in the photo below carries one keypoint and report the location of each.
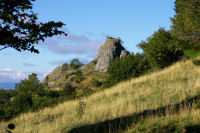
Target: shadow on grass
(121, 123)
(196, 62)
(193, 129)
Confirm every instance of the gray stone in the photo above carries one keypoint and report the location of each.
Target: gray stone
(110, 50)
(124, 53)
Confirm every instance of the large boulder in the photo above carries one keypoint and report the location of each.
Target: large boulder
(110, 50)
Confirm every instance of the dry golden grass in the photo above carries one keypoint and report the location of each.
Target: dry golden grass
(169, 86)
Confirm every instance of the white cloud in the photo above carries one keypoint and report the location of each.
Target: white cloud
(7, 69)
(9, 75)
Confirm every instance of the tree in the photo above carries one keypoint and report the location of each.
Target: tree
(22, 102)
(30, 86)
(162, 49)
(20, 28)
(68, 90)
(75, 63)
(79, 76)
(186, 22)
(125, 68)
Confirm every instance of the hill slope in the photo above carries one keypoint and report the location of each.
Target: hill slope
(159, 94)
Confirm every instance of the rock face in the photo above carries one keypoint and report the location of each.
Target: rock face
(110, 50)
(124, 53)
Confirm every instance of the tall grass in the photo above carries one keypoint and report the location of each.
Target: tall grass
(169, 86)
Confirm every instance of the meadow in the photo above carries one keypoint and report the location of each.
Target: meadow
(160, 99)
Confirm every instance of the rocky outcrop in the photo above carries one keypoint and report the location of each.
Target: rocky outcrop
(124, 53)
(110, 50)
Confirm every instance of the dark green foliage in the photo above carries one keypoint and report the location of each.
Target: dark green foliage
(68, 90)
(196, 62)
(75, 63)
(52, 94)
(19, 27)
(30, 86)
(186, 22)
(41, 102)
(22, 102)
(125, 68)
(2, 114)
(192, 50)
(6, 95)
(162, 49)
(65, 67)
(84, 92)
(79, 76)
(96, 83)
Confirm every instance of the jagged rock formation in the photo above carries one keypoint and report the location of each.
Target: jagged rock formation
(61, 75)
(124, 53)
(110, 50)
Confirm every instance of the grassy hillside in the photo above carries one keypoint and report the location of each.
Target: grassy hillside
(60, 76)
(167, 97)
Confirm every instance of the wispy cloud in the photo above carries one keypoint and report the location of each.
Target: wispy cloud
(57, 62)
(29, 65)
(73, 44)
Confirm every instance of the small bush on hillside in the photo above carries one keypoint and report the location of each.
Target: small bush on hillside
(68, 91)
(75, 63)
(81, 109)
(79, 76)
(96, 83)
(65, 67)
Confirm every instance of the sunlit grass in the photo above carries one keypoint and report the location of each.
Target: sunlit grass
(169, 86)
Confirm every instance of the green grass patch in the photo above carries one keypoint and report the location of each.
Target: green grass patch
(192, 50)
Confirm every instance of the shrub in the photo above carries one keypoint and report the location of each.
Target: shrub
(65, 67)
(22, 102)
(81, 109)
(96, 83)
(79, 76)
(75, 63)
(41, 102)
(162, 49)
(68, 90)
(52, 94)
(125, 68)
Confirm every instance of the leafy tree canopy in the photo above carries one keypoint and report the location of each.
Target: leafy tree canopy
(125, 68)
(30, 86)
(162, 49)
(20, 28)
(186, 22)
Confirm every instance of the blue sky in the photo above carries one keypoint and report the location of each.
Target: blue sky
(88, 22)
